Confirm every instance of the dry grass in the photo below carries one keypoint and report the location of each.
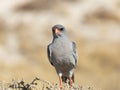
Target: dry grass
(39, 84)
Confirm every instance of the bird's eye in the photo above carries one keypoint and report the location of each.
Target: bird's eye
(61, 28)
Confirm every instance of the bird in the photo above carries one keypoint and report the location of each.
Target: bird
(62, 54)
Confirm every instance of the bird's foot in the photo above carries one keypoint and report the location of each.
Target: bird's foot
(61, 87)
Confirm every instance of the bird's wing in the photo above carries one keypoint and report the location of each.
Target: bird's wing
(75, 53)
(49, 51)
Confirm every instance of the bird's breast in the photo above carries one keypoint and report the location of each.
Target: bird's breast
(62, 53)
(61, 49)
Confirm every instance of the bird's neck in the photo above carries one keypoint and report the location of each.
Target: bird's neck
(60, 38)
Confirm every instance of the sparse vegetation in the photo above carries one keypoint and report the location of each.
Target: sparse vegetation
(46, 85)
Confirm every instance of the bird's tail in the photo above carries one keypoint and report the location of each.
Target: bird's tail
(66, 79)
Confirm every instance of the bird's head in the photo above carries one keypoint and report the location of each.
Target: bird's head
(58, 30)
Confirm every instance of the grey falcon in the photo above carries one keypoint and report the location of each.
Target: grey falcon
(62, 54)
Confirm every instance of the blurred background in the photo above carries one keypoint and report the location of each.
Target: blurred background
(25, 32)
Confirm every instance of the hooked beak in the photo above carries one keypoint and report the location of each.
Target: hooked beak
(57, 31)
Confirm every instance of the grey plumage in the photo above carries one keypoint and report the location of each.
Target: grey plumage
(62, 53)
